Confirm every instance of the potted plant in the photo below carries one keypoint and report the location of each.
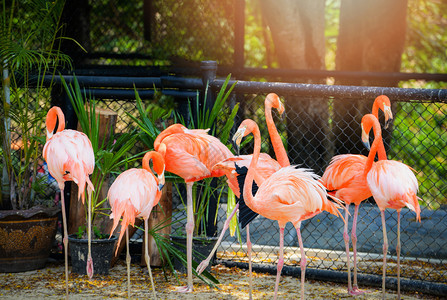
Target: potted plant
(29, 42)
(112, 155)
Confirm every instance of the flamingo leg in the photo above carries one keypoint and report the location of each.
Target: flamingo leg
(65, 239)
(280, 260)
(385, 250)
(128, 262)
(250, 278)
(89, 234)
(346, 239)
(303, 258)
(146, 255)
(189, 230)
(355, 290)
(202, 266)
(398, 254)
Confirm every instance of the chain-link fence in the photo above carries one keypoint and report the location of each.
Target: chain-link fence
(418, 138)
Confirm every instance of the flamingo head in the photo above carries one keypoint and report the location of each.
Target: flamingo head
(158, 164)
(370, 121)
(247, 126)
(274, 101)
(383, 103)
(55, 116)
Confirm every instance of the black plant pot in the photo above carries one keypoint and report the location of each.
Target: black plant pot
(26, 238)
(102, 252)
(201, 246)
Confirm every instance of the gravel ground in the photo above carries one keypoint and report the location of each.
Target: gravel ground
(48, 283)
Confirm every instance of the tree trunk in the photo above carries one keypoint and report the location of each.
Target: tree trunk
(371, 38)
(297, 29)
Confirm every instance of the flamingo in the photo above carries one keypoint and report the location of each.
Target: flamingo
(266, 167)
(289, 195)
(132, 195)
(190, 154)
(69, 156)
(345, 179)
(392, 184)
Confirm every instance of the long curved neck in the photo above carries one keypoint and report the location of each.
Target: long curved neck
(248, 196)
(376, 147)
(375, 108)
(278, 146)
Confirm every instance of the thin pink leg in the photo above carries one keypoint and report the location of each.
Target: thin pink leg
(128, 260)
(65, 239)
(189, 231)
(303, 259)
(346, 238)
(202, 266)
(147, 256)
(398, 254)
(355, 290)
(250, 278)
(89, 266)
(385, 250)
(280, 260)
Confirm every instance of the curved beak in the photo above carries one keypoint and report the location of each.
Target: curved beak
(161, 180)
(281, 111)
(388, 116)
(237, 138)
(365, 139)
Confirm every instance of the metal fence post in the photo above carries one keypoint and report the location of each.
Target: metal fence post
(209, 69)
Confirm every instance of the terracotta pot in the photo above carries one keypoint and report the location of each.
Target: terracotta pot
(26, 238)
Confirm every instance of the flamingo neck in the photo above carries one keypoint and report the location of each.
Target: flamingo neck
(248, 184)
(278, 146)
(376, 147)
(375, 108)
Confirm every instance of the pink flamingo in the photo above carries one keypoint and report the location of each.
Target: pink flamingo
(392, 184)
(289, 195)
(132, 195)
(69, 156)
(266, 167)
(345, 179)
(190, 154)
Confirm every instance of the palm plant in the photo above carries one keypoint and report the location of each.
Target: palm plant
(29, 51)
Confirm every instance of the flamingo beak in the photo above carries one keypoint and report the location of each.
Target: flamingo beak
(281, 110)
(388, 116)
(161, 180)
(365, 139)
(49, 134)
(237, 137)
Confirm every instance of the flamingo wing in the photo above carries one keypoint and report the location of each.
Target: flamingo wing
(345, 178)
(133, 194)
(393, 185)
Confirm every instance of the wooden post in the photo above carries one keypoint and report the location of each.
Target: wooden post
(159, 215)
(76, 218)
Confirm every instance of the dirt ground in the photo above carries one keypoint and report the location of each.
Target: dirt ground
(48, 283)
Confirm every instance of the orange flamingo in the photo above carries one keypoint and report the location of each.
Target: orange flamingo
(392, 184)
(132, 195)
(190, 154)
(345, 179)
(69, 156)
(266, 167)
(289, 195)
(233, 168)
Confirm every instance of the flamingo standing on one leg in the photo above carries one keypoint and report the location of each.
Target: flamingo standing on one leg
(345, 179)
(132, 195)
(69, 156)
(392, 184)
(289, 195)
(190, 154)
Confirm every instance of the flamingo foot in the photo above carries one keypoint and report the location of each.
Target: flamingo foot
(185, 289)
(90, 267)
(202, 266)
(355, 291)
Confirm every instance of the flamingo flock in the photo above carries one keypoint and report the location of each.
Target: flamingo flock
(264, 186)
